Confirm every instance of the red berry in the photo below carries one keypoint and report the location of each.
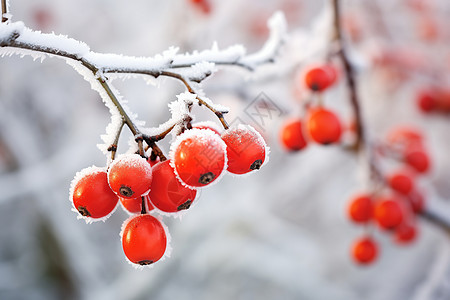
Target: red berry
(91, 194)
(167, 193)
(388, 213)
(291, 135)
(207, 125)
(134, 205)
(426, 100)
(144, 239)
(360, 209)
(323, 126)
(365, 250)
(320, 78)
(198, 157)
(130, 176)
(405, 233)
(401, 182)
(418, 159)
(246, 149)
(405, 136)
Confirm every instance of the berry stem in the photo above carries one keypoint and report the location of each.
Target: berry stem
(143, 207)
(4, 11)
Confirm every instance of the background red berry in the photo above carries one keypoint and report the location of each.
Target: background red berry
(360, 209)
(291, 135)
(323, 126)
(365, 250)
(388, 213)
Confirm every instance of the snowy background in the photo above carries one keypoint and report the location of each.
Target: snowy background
(281, 233)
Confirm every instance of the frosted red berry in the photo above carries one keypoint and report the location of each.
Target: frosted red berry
(130, 176)
(198, 157)
(91, 195)
(167, 193)
(144, 239)
(360, 209)
(291, 136)
(323, 126)
(388, 213)
(246, 149)
(365, 250)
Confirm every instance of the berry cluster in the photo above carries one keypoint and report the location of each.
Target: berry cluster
(392, 205)
(198, 157)
(320, 125)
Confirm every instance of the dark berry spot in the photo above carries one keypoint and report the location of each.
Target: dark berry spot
(315, 87)
(126, 191)
(256, 165)
(185, 205)
(206, 178)
(326, 143)
(83, 211)
(145, 262)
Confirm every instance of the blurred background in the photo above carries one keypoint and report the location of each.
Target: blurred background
(281, 233)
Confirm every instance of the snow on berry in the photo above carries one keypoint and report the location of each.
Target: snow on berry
(198, 157)
(130, 176)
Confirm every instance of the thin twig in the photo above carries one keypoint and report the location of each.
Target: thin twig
(219, 114)
(113, 147)
(349, 75)
(4, 11)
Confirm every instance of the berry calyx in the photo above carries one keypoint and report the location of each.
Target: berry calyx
(144, 239)
(323, 126)
(130, 176)
(91, 194)
(365, 250)
(291, 136)
(198, 157)
(246, 149)
(388, 213)
(320, 78)
(360, 209)
(166, 192)
(401, 182)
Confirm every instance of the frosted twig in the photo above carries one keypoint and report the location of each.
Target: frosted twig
(200, 64)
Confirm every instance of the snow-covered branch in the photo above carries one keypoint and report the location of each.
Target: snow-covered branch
(16, 38)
